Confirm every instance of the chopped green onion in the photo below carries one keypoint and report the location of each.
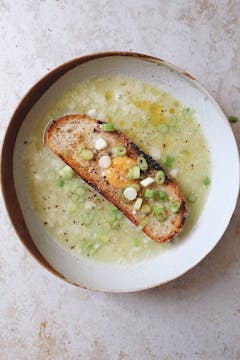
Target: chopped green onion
(142, 163)
(162, 195)
(160, 213)
(119, 151)
(192, 197)
(138, 204)
(108, 127)
(135, 186)
(188, 110)
(113, 208)
(134, 172)
(143, 223)
(169, 161)
(61, 182)
(115, 216)
(86, 154)
(66, 172)
(163, 128)
(233, 119)
(89, 247)
(146, 209)
(112, 220)
(174, 206)
(117, 213)
(102, 238)
(206, 181)
(149, 193)
(79, 190)
(136, 242)
(160, 177)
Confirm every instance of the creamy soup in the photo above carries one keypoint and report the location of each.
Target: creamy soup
(75, 214)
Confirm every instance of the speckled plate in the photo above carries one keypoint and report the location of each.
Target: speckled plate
(214, 217)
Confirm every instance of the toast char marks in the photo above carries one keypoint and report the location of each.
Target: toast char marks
(65, 137)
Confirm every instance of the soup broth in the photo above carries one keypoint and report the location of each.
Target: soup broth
(75, 214)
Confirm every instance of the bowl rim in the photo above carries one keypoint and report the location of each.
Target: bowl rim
(6, 161)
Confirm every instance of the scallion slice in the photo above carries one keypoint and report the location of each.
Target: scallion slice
(66, 172)
(119, 151)
(136, 242)
(146, 209)
(86, 154)
(79, 190)
(108, 127)
(174, 206)
(169, 161)
(102, 238)
(142, 163)
(134, 172)
(160, 177)
(160, 213)
(116, 213)
(149, 193)
(206, 181)
(162, 195)
(138, 204)
(61, 182)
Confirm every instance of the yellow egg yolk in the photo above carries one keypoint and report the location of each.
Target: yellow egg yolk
(117, 173)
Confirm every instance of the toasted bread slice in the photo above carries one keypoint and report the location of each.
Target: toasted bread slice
(69, 134)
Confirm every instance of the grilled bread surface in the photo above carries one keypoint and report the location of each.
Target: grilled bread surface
(69, 134)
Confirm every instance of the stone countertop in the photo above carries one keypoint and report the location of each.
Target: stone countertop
(194, 317)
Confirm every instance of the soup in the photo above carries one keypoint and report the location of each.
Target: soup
(76, 215)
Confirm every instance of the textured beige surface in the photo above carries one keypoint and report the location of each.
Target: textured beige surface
(194, 317)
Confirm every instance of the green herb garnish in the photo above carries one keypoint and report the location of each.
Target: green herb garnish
(108, 127)
(233, 119)
(169, 161)
(61, 182)
(206, 181)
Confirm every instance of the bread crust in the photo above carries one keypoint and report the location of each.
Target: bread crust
(64, 137)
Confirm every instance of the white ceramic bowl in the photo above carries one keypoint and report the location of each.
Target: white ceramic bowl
(217, 211)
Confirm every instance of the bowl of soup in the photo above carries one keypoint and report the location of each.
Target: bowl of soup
(66, 224)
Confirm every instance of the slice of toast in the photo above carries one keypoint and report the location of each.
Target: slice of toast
(68, 135)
